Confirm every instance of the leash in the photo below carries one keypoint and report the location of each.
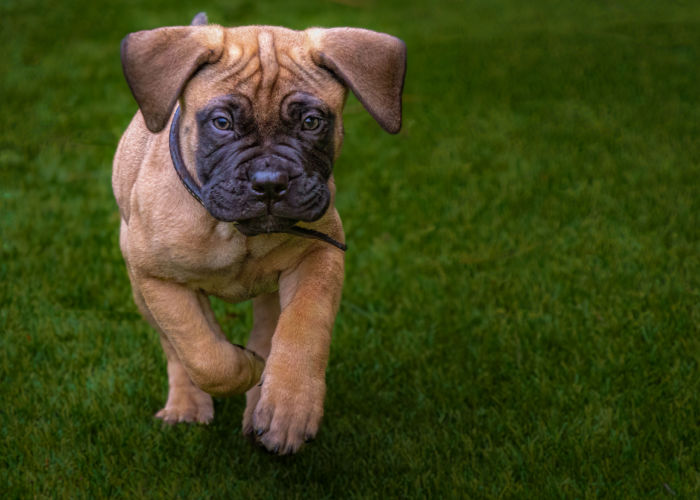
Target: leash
(193, 188)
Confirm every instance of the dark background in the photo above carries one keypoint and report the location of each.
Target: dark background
(521, 310)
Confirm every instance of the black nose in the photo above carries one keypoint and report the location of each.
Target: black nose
(271, 184)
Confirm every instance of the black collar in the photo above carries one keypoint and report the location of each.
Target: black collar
(193, 188)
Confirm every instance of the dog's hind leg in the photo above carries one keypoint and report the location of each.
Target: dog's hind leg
(186, 402)
(266, 312)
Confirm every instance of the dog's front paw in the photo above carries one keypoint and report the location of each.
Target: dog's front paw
(189, 404)
(288, 412)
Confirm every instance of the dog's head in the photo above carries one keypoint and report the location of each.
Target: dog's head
(262, 109)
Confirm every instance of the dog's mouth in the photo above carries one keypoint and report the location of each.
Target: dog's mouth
(235, 201)
(264, 224)
(270, 224)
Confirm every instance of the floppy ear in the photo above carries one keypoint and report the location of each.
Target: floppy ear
(371, 64)
(158, 63)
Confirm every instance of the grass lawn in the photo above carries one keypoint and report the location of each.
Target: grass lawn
(521, 314)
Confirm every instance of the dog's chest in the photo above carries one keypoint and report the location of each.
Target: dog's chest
(235, 285)
(229, 265)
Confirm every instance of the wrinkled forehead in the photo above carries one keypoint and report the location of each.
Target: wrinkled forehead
(265, 64)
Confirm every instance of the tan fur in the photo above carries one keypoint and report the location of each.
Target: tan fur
(177, 254)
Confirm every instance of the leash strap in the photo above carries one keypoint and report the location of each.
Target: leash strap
(310, 233)
(193, 188)
(176, 156)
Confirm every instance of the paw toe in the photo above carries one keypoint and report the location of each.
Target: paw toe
(201, 414)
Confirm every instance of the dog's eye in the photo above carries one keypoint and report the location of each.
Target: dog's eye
(311, 122)
(222, 123)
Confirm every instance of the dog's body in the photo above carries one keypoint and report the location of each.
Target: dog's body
(260, 128)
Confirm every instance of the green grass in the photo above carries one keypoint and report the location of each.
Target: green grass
(521, 315)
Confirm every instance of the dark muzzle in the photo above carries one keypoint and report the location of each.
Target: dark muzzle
(268, 183)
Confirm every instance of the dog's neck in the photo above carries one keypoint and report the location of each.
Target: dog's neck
(194, 190)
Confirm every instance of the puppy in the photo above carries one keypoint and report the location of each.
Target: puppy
(224, 181)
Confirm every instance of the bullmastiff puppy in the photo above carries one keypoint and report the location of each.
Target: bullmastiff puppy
(224, 181)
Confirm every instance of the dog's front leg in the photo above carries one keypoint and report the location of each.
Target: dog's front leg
(212, 363)
(291, 399)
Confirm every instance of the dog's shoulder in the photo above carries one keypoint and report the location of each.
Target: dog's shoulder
(132, 149)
